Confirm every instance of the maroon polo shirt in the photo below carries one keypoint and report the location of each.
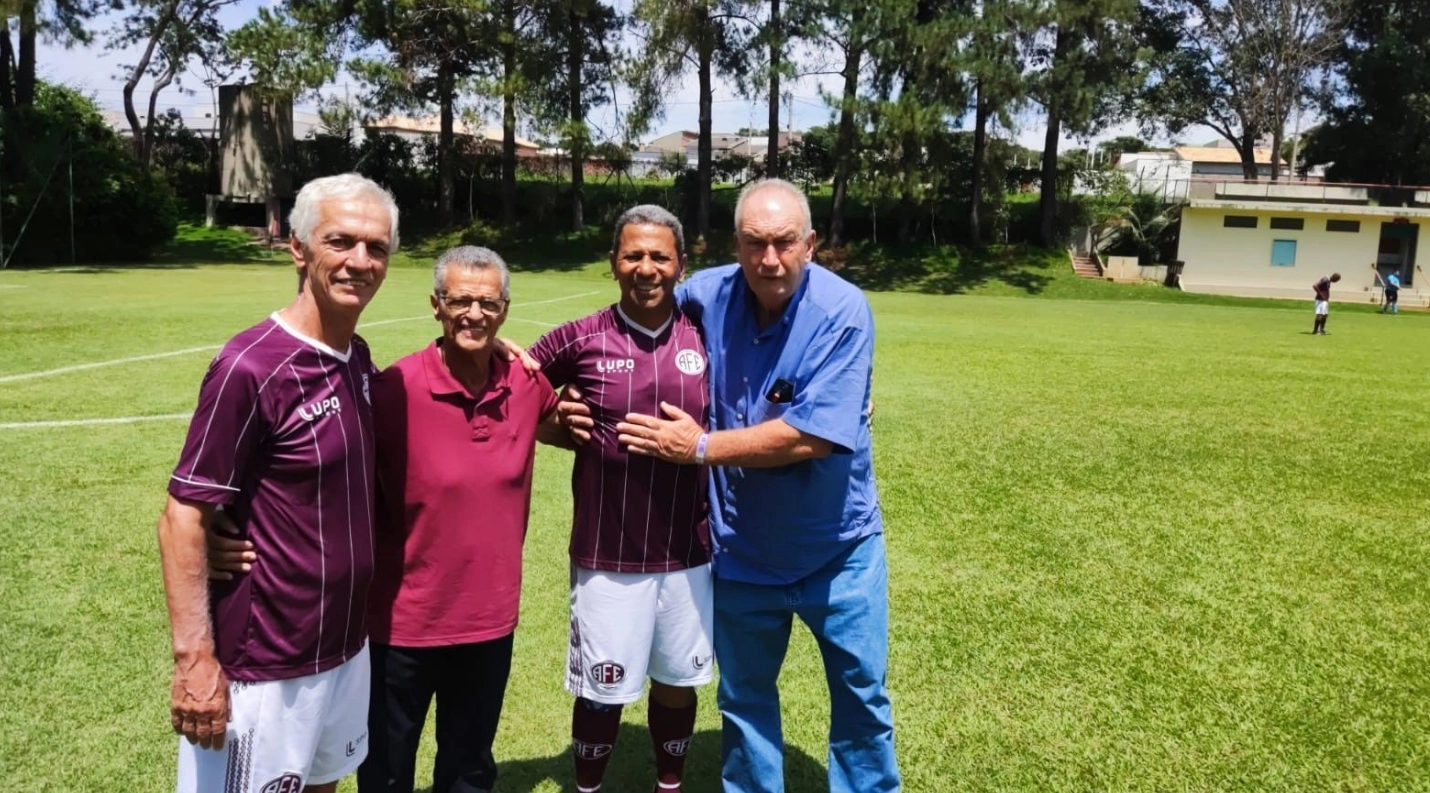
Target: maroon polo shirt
(454, 493)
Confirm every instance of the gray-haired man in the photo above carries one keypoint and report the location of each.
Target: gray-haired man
(456, 426)
(270, 673)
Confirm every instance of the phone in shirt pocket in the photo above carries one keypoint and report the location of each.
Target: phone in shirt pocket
(780, 393)
(777, 399)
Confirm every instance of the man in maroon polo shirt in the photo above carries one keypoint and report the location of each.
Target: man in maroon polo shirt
(456, 431)
(641, 589)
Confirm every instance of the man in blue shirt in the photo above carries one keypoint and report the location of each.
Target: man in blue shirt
(1391, 282)
(794, 513)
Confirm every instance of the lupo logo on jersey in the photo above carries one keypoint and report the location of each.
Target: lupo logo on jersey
(608, 674)
(288, 783)
(616, 366)
(690, 362)
(317, 409)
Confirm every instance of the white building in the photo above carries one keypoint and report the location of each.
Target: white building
(1276, 239)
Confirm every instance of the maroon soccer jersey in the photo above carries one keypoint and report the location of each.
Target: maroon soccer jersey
(634, 514)
(283, 439)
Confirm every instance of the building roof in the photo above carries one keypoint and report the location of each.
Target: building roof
(203, 123)
(432, 125)
(1219, 155)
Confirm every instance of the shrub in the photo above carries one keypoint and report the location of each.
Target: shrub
(121, 210)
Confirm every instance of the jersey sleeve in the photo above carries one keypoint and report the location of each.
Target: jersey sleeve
(224, 435)
(557, 352)
(830, 403)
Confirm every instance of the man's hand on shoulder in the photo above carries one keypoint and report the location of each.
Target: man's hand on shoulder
(515, 352)
(198, 700)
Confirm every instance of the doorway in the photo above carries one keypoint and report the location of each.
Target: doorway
(1398, 243)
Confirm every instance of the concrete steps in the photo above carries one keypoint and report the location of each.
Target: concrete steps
(1086, 267)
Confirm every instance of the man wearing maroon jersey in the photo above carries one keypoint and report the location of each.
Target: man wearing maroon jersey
(1322, 288)
(270, 681)
(641, 586)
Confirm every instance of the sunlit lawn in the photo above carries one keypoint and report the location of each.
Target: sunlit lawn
(1135, 546)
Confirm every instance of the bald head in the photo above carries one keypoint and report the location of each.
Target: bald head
(777, 192)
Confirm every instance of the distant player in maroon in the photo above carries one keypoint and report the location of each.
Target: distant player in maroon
(1322, 289)
(640, 602)
(270, 669)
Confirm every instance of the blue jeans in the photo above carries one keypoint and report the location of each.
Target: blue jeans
(846, 606)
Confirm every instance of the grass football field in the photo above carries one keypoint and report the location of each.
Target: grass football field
(1134, 546)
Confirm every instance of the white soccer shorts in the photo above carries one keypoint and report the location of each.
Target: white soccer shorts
(285, 734)
(629, 626)
(1323, 307)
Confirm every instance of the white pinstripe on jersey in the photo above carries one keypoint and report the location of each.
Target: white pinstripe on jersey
(322, 548)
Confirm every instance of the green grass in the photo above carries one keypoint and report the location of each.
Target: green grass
(1134, 545)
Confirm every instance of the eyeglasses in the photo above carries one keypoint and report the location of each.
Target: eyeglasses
(491, 306)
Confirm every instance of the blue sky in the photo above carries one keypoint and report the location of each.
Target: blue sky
(97, 71)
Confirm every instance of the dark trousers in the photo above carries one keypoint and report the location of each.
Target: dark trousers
(469, 683)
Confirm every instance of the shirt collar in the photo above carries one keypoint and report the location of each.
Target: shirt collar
(310, 341)
(441, 382)
(636, 326)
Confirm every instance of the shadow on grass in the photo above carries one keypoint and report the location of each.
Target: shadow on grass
(197, 244)
(193, 245)
(632, 767)
(944, 270)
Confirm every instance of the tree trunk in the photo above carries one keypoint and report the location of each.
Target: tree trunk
(139, 136)
(508, 116)
(1247, 149)
(844, 145)
(705, 166)
(980, 153)
(1276, 140)
(446, 184)
(7, 71)
(146, 151)
(575, 58)
(910, 148)
(1048, 196)
(25, 67)
(772, 150)
(9, 133)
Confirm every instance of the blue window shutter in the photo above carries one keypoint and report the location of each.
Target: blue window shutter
(1283, 253)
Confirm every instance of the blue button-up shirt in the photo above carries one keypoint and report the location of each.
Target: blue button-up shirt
(812, 368)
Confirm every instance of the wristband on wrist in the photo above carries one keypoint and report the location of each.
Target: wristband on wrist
(700, 448)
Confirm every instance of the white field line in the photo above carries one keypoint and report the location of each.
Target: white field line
(14, 378)
(97, 364)
(13, 286)
(27, 425)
